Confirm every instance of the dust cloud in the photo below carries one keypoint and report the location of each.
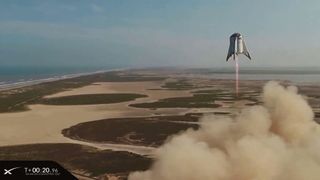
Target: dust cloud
(278, 140)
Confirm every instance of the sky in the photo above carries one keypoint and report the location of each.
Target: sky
(144, 33)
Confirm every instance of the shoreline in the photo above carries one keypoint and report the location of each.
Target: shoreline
(21, 84)
(221, 76)
(228, 75)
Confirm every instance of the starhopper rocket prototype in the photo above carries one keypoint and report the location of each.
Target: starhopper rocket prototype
(237, 46)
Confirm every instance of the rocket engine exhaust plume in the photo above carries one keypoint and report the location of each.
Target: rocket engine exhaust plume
(278, 140)
(237, 76)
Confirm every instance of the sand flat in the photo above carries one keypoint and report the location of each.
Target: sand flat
(125, 87)
(44, 123)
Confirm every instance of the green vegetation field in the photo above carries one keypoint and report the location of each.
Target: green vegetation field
(199, 99)
(147, 131)
(181, 84)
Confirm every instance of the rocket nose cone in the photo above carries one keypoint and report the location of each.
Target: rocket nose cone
(235, 35)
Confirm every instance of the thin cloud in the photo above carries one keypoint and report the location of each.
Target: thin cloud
(96, 8)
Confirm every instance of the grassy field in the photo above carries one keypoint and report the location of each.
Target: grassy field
(195, 101)
(226, 95)
(79, 157)
(17, 99)
(147, 131)
(181, 84)
(199, 99)
(90, 99)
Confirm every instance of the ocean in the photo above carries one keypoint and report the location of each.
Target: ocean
(20, 76)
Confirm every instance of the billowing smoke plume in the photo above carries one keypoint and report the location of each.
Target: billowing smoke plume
(276, 141)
